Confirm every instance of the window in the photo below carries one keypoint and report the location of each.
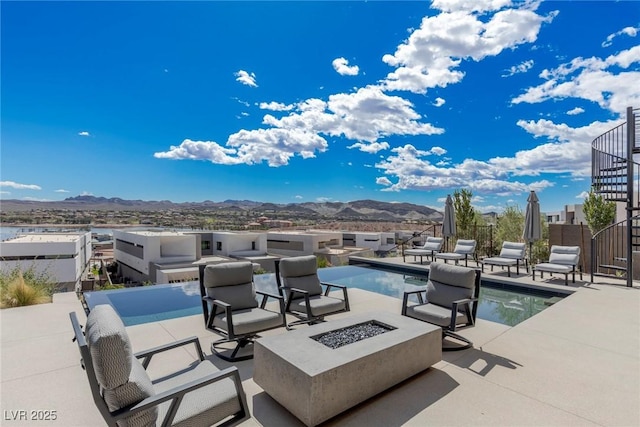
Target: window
(218, 246)
(205, 245)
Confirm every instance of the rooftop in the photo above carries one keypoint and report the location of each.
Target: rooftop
(67, 237)
(575, 363)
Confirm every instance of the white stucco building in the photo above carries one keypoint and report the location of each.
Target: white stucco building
(140, 254)
(378, 242)
(295, 243)
(63, 256)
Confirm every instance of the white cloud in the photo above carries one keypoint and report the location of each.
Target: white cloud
(364, 116)
(593, 79)
(520, 68)
(629, 31)
(413, 171)
(341, 65)
(371, 148)
(200, 150)
(61, 191)
(19, 186)
(583, 195)
(5, 192)
(275, 106)
(246, 78)
(383, 180)
(297, 197)
(469, 6)
(439, 102)
(575, 111)
(84, 133)
(431, 55)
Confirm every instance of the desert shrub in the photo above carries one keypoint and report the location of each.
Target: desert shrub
(21, 288)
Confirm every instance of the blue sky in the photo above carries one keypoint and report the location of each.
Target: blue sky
(312, 101)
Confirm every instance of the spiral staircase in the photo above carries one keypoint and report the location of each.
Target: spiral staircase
(616, 177)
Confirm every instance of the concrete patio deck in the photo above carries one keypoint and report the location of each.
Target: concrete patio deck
(575, 363)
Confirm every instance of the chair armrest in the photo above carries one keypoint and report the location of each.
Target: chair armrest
(344, 292)
(267, 295)
(147, 354)
(454, 311)
(405, 299)
(176, 394)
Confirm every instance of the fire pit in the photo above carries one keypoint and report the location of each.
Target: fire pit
(315, 382)
(351, 334)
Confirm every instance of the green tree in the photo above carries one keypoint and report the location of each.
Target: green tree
(509, 226)
(598, 212)
(465, 213)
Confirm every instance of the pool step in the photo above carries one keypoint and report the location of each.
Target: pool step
(552, 300)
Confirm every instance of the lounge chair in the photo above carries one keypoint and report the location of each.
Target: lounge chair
(562, 260)
(462, 250)
(449, 300)
(196, 395)
(431, 246)
(230, 308)
(512, 253)
(298, 281)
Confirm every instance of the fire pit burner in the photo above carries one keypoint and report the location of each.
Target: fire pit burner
(350, 334)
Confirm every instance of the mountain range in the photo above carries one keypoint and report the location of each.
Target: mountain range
(371, 210)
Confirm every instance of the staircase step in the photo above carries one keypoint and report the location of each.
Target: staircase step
(614, 168)
(613, 267)
(636, 150)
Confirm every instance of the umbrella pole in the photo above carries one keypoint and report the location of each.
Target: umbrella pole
(530, 254)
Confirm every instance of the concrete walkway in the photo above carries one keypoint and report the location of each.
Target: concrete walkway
(575, 363)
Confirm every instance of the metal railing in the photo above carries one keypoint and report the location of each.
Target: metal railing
(615, 175)
(482, 234)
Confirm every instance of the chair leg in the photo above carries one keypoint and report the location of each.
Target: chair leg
(468, 343)
(241, 343)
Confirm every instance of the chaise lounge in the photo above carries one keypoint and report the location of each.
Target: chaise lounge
(512, 253)
(562, 260)
(431, 246)
(462, 250)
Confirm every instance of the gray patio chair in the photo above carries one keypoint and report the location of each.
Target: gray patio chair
(431, 246)
(298, 281)
(197, 395)
(230, 307)
(562, 260)
(450, 301)
(512, 253)
(462, 250)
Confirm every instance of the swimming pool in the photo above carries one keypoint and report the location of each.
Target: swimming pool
(497, 303)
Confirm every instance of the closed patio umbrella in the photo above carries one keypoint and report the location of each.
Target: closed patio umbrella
(532, 230)
(449, 220)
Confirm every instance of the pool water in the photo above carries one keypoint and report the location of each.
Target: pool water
(497, 303)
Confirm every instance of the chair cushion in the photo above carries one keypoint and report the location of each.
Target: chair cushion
(122, 378)
(448, 283)
(465, 246)
(563, 258)
(110, 346)
(433, 243)
(499, 260)
(302, 273)
(553, 268)
(434, 314)
(205, 406)
(232, 283)
(250, 320)
(320, 305)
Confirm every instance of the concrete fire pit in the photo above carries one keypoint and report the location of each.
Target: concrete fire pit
(316, 382)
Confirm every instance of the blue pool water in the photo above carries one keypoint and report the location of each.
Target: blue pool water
(160, 302)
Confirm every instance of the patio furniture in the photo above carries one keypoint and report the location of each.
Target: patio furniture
(562, 260)
(462, 250)
(449, 300)
(298, 282)
(197, 395)
(316, 382)
(511, 254)
(431, 246)
(230, 307)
